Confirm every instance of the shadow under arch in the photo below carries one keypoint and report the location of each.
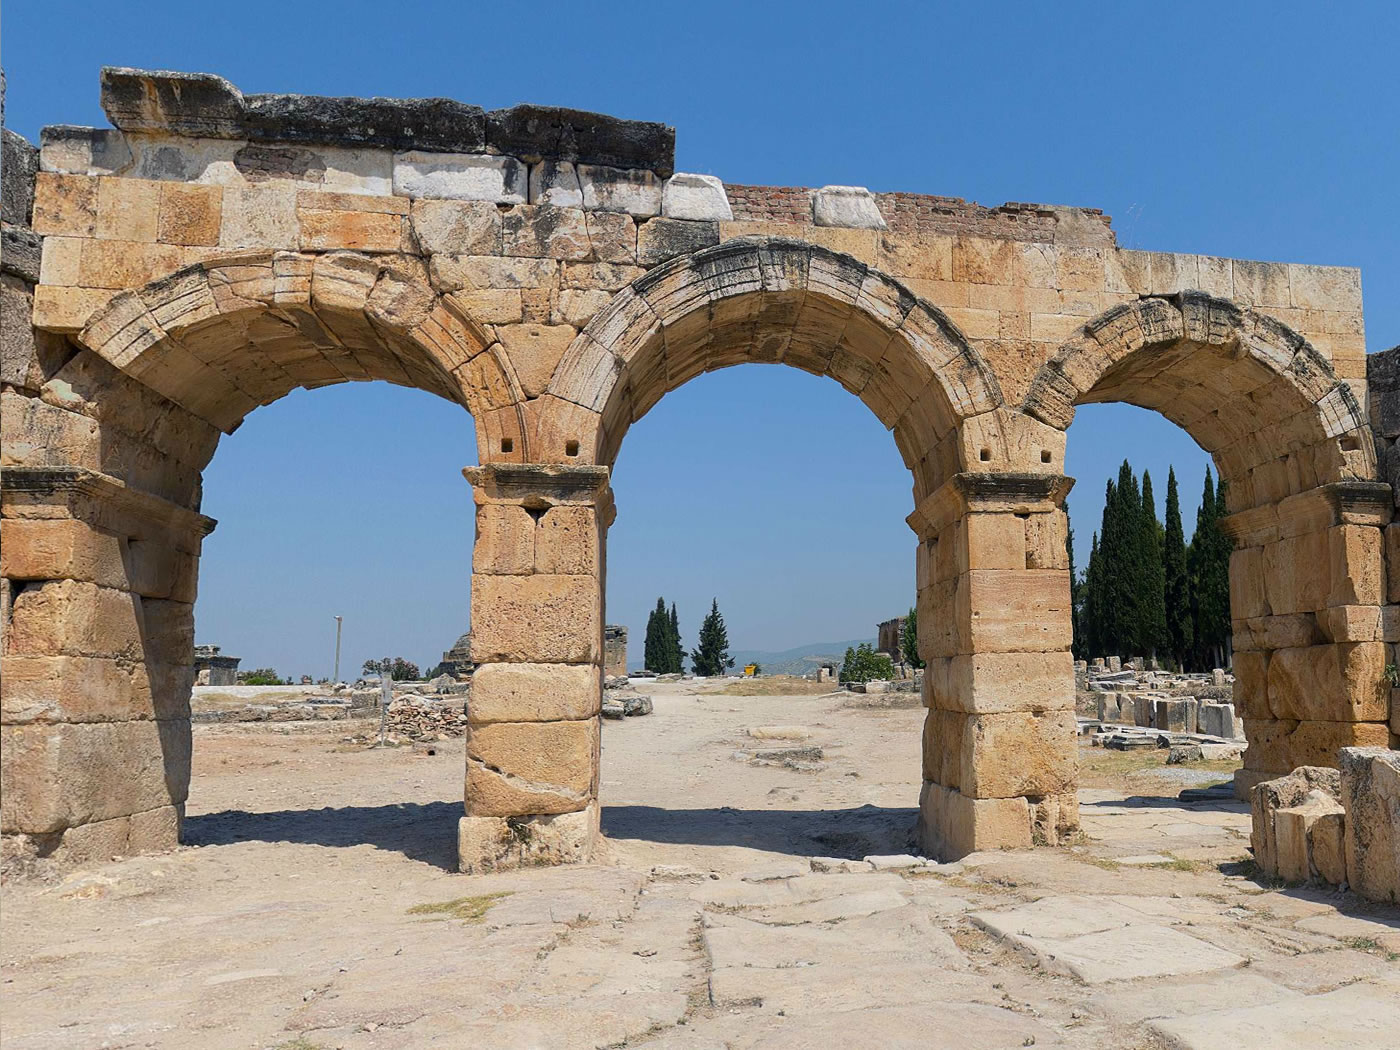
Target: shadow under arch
(223, 337)
(767, 300)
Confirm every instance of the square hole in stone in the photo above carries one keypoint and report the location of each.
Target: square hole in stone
(571, 448)
(507, 444)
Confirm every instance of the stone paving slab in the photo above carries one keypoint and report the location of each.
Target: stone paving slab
(1167, 997)
(1358, 1017)
(1100, 939)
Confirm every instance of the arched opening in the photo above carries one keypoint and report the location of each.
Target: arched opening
(364, 532)
(106, 508)
(1291, 444)
(778, 496)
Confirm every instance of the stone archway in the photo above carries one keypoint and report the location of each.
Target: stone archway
(539, 566)
(1307, 587)
(102, 525)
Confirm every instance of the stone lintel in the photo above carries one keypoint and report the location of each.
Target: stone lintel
(203, 105)
(1004, 492)
(1338, 503)
(540, 485)
(94, 497)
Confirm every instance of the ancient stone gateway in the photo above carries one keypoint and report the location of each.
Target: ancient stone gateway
(548, 271)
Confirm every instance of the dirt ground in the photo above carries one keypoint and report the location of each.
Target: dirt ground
(317, 905)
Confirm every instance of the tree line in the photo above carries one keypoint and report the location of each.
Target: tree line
(663, 652)
(1146, 591)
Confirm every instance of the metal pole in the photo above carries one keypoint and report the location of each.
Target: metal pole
(335, 677)
(386, 697)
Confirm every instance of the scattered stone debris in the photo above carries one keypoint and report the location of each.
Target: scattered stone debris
(414, 717)
(801, 759)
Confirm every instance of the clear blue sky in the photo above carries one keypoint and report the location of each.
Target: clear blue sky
(1254, 130)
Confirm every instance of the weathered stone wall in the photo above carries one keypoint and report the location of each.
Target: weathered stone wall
(1383, 381)
(550, 272)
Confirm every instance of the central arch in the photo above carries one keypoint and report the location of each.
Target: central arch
(767, 300)
(532, 747)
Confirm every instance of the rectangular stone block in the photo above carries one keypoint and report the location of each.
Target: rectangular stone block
(168, 631)
(546, 232)
(1357, 568)
(536, 619)
(323, 230)
(58, 776)
(1247, 593)
(635, 192)
(1046, 536)
(58, 309)
(487, 844)
(505, 540)
(71, 618)
(952, 825)
(1174, 716)
(1014, 611)
(259, 216)
(152, 831)
(989, 683)
(534, 693)
(1296, 573)
(1392, 561)
(993, 541)
(1279, 746)
(1252, 684)
(457, 228)
(190, 214)
(86, 689)
(128, 209)
(1001, 755)
(531, 767)
(1331, 683)
(461, 176)
(566, 542)
(156, 569)
(1216, 719)
(1351, 623)
(1371, 797)
(65, 205)
(61, 549)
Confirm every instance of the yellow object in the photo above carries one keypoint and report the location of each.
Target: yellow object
(750, 670)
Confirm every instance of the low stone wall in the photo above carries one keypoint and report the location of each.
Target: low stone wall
(1339, 826)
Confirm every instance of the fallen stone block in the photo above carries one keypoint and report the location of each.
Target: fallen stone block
(1270, 796)
(1370, 794)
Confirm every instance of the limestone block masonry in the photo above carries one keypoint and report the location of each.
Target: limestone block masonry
(550, 272)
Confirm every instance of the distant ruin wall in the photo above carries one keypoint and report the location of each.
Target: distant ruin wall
(614, 651)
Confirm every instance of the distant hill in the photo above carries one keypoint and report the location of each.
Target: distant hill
(802, 660)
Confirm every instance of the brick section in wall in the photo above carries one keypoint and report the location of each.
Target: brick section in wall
(789, 204)
(912, 213)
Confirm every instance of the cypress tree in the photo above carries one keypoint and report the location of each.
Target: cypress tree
(655, 647)
(1176, 579)
(1152, 625)
(677, 651)
(1076, 595)
(909, 639)
(1089, 613)
(711, 655)
(1210, 579)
